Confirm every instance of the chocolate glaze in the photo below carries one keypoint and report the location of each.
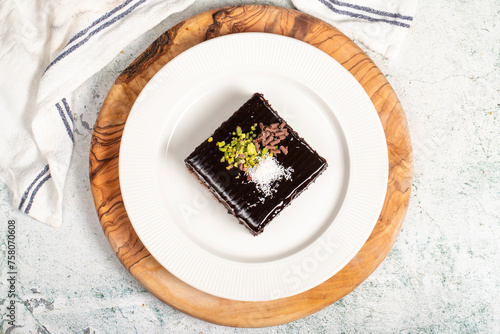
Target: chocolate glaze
(241, 197)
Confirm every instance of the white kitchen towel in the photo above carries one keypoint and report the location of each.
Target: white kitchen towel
(47, 49)
(379, 24)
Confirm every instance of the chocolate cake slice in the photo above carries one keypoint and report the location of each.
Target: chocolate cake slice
(255, 164)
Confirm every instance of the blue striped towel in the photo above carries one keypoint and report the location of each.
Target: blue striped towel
(378, 24)
(48, 48)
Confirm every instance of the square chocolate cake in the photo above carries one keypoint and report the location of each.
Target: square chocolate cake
(255, 164)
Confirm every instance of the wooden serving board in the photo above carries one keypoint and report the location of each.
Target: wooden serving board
(105, 147)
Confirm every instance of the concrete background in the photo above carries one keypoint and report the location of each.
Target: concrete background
(443, 274)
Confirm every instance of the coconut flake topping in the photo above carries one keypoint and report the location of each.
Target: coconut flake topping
(266, 172)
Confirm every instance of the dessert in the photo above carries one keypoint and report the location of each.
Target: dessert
(255, 164)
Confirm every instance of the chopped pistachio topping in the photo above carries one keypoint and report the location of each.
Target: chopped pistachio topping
(241, 151)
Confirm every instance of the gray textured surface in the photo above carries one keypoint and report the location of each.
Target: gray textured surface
(443, 274)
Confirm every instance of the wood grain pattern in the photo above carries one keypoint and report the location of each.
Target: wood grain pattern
(105, 145)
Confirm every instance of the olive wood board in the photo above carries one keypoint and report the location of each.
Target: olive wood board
(104, 159)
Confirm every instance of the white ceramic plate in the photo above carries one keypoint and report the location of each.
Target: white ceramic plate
(188, 231)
